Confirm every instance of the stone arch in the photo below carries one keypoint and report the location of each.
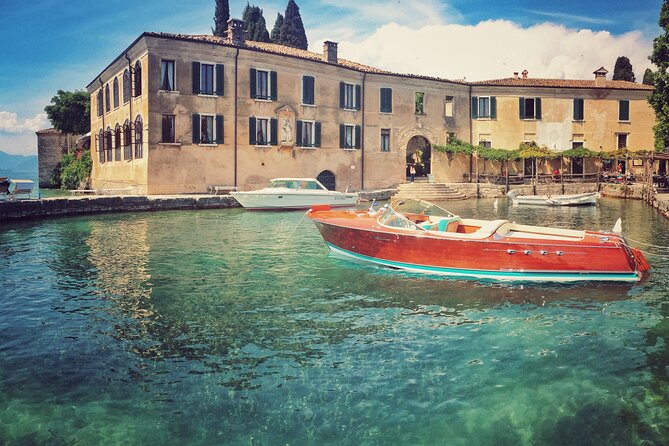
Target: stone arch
(411, 139)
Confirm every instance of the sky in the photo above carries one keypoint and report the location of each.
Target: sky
(51, 45)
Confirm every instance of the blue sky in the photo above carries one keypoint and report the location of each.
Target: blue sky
(63, 44)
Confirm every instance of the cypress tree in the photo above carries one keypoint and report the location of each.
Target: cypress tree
(276, 31)
(221, 17)
(648, 77)
(623, 70)
(254, 24)
(292, 29)
(660, 97)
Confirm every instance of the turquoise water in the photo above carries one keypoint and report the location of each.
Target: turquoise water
(226, 327)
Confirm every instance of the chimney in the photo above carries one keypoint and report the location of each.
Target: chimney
(524, 73)
(330, 51)
(515, 75)
(236, 32)
(600, 77)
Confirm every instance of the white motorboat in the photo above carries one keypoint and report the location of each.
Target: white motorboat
(585, 199)
(294, 193)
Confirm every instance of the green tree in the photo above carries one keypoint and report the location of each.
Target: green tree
(74, 172)
(70, 112)
(292, 28)
(254, 24)
(648, 77)
(221, 17)
(623, 70)
(276, 31)
(659, 99)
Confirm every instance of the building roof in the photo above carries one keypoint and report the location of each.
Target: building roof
(561, 83)
(48, 131)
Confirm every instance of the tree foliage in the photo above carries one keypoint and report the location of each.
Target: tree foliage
(72, 172)
(292, 29)
(275, 36)
(254, 24)
(623, 70)
(221, 17)
(648, 77)
(659, 99)
(70, 112)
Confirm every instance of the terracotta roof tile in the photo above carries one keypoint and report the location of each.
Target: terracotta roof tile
(561, 83)
(48, 131)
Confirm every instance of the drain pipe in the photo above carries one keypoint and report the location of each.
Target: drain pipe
(362, 135)
(129, 99)
(471, 134)
(235, 113)
(101, 144)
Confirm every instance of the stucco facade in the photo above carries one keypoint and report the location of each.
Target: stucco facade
(228, 112)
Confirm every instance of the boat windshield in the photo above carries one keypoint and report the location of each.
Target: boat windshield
(295, 184)
(394, 219)
(420, 207)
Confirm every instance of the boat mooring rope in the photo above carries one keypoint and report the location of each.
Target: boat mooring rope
(647, 244)
(298, 224)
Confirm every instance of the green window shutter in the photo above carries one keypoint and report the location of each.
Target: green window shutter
(493, 107)
(342, 136)
(342, 88)
(357, 136)
(305, 89)
(196, 77)
(274, 85)
(386, 105)
(624, 111)
(273, 132)
(358, 95)
(196, 129)
(253, 84)
(577, 111)
(219, 129)
(537, 106)
(389, 100)
(312, 90)
(521, 108)
(581, 107)
(298, 133)
(475, 107)
(220, 79)
(252, 130)
(317, 134)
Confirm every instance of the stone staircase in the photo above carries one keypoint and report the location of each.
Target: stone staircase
(428, 191)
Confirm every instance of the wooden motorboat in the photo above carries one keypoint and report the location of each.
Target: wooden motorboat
(294, 193)
(585, 199)
(418, 236)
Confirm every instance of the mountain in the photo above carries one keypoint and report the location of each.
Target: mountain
(18, 163)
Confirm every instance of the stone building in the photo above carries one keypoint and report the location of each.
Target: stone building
(177, 113)
(51, 146)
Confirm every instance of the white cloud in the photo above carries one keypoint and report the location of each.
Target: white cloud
(9, 122)
(18, 144)
(495, 49)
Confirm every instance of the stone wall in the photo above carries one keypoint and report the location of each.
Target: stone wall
(51, 145)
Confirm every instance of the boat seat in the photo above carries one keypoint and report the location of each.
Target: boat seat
(449, 224)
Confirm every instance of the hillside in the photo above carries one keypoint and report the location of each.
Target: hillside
(18, 163)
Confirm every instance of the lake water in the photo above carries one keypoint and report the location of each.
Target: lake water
(226, 327)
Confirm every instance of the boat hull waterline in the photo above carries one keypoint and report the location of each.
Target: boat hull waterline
(286, 200)
(598, 256)
(586, 199)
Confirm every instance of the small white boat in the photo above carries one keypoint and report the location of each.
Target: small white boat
(294, 193)
(585, 199)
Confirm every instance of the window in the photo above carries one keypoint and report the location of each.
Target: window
(117, 143)
(385, 140)
(484, 107)
(578, 109)
(448, 106)
(623, 110)
(577, 144)
(107, 99)
(127, 141)
(420, 102)
(349, 96)
(127, 88)
(99, 101)
(349, 136)
(207, 129)
(485, 143)
(263, 84)
(621, 142)
(167, 75)
(206, 79)
(308, 84)
(386, 100)
(168, 129)
(138, 79)
(101, 146)
(309, 133)
(263, 131)
(139, 137)
(529, 108)
(108, 144)
(115, 92)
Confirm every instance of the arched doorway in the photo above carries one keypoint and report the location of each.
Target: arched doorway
(419, 154)
(327, 179)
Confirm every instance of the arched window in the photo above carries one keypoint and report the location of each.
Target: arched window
(127, 141)
(108, 144)
(115, 92)
(101, 144)
(126, 86)
(138, 136)
(107, 101)
(117, 143)
(138, 79)
(327, 179)
(99, 101)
